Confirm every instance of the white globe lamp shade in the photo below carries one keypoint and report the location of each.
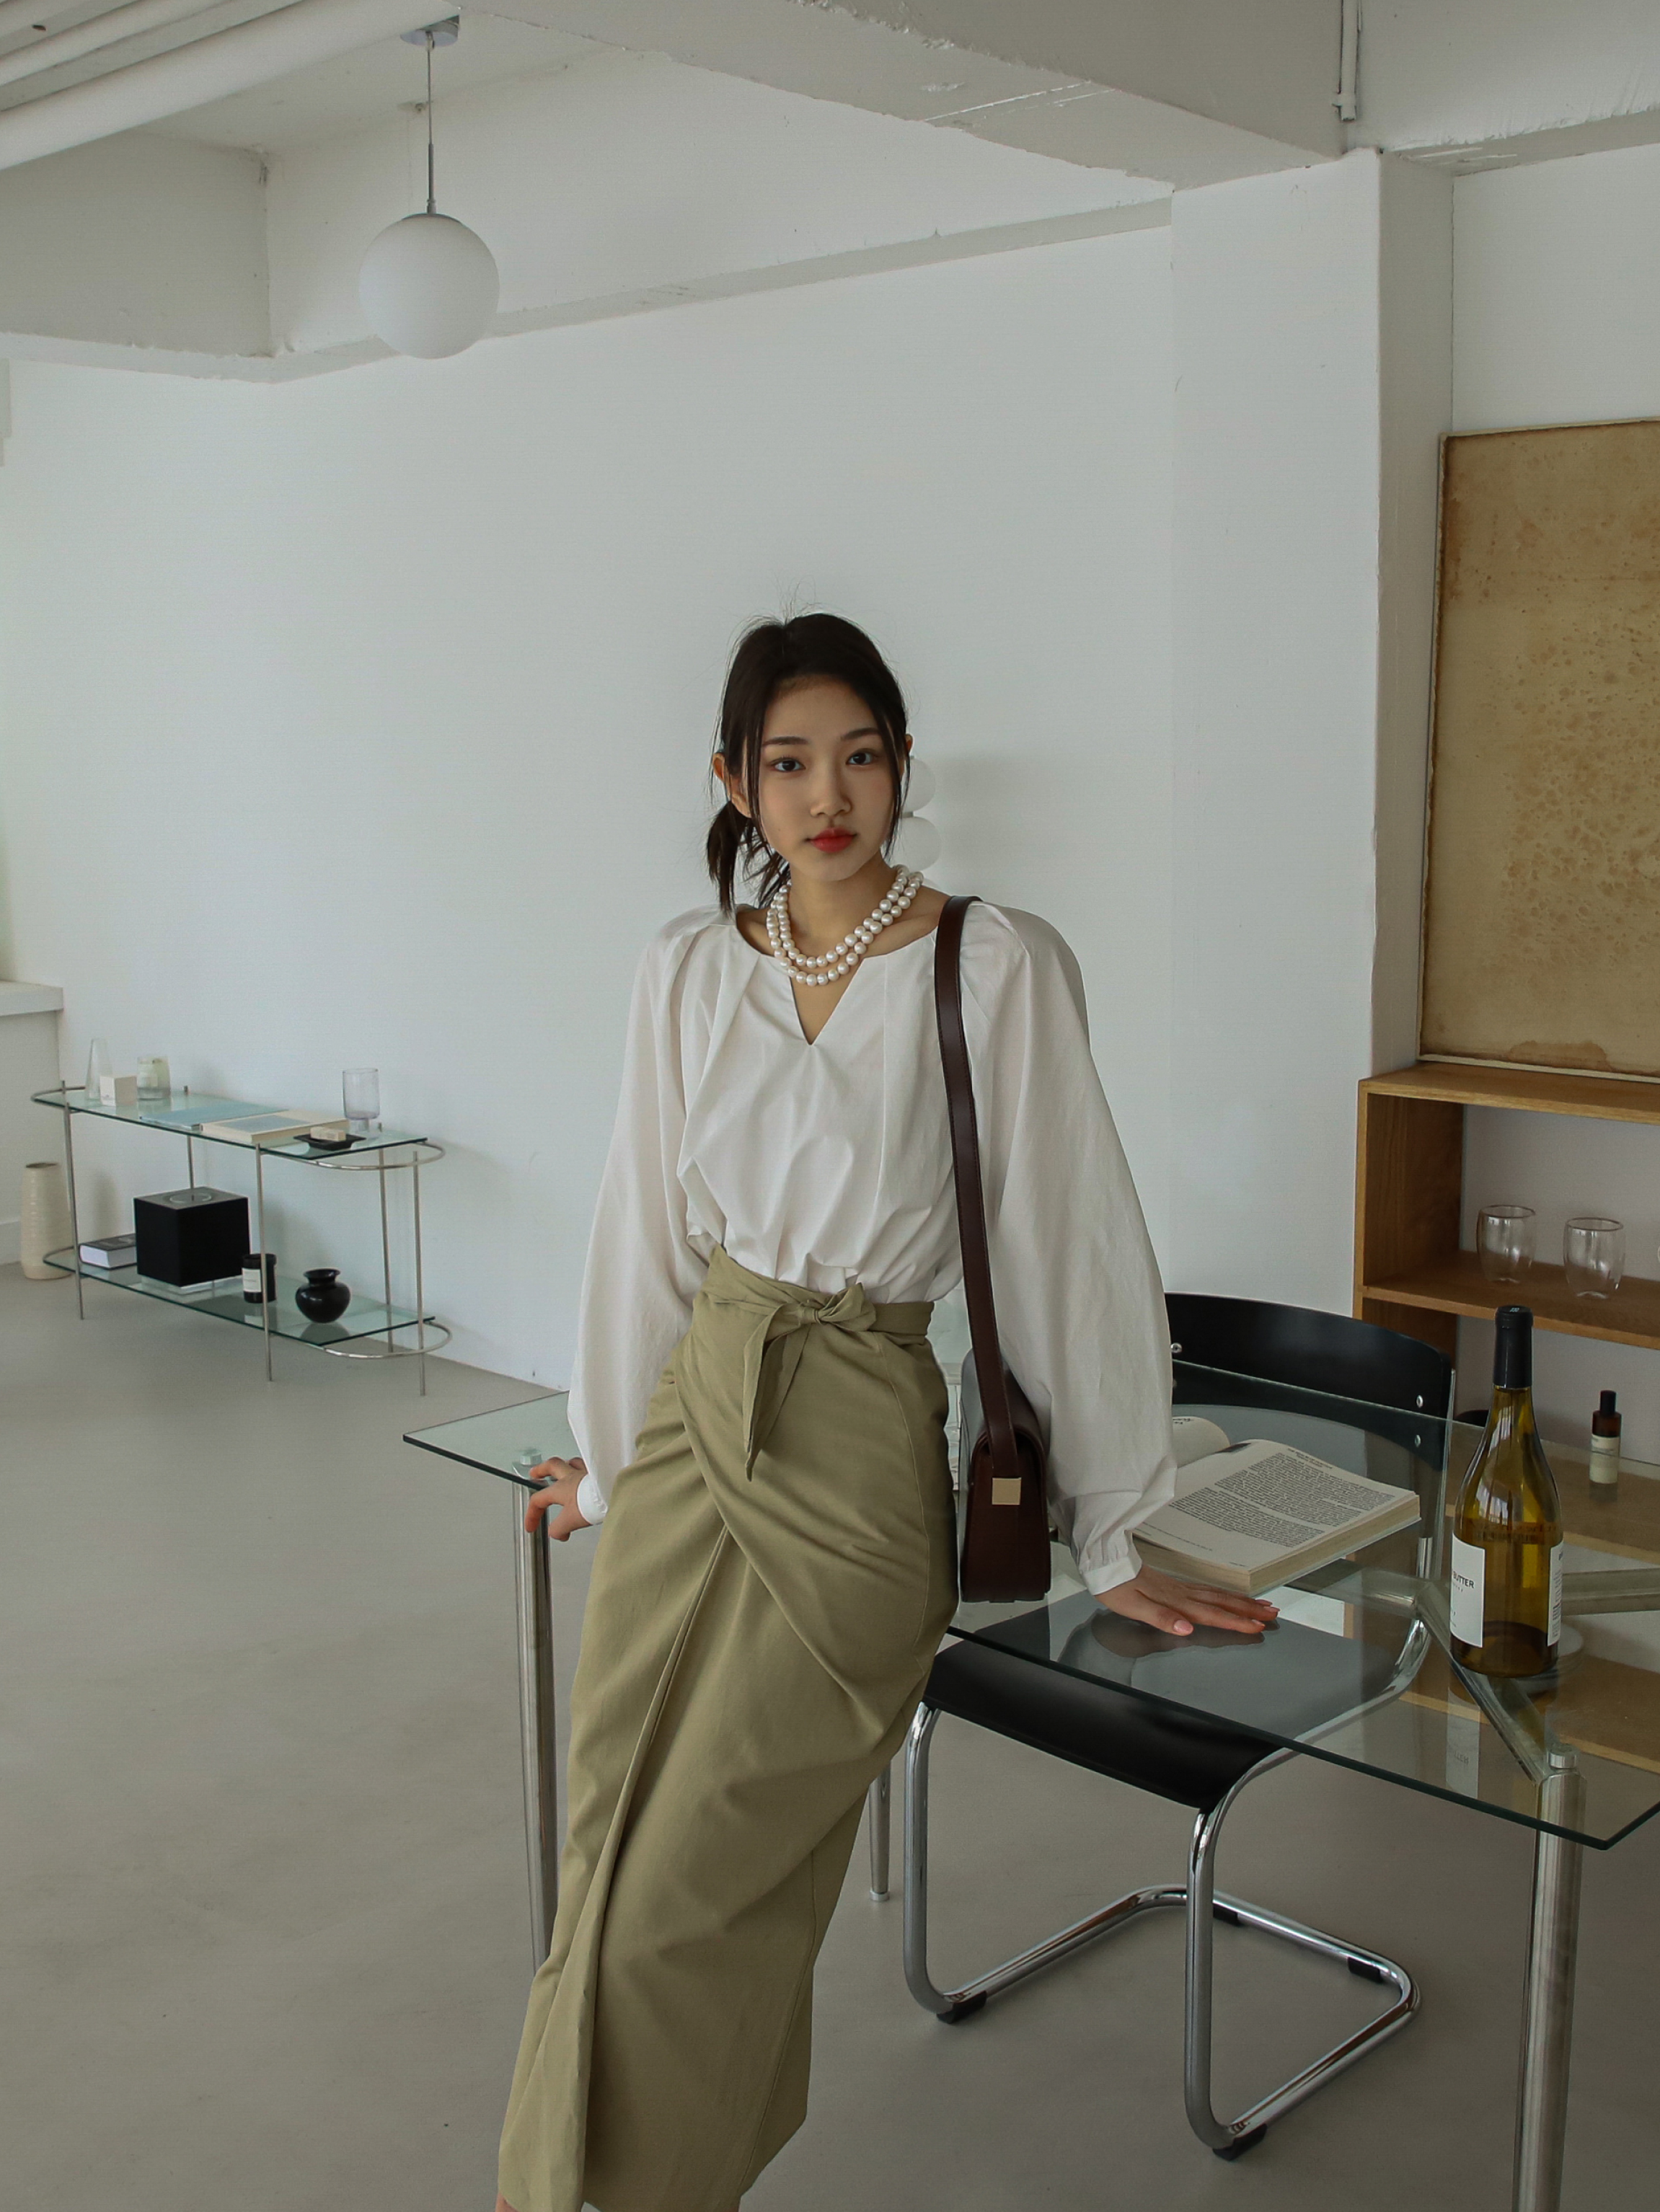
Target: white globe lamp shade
(921, 789)
(917, 844)
(428, 286)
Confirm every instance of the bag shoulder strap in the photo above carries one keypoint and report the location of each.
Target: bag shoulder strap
(989, 1369)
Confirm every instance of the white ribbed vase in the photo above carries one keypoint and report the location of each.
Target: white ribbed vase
(45, 1219)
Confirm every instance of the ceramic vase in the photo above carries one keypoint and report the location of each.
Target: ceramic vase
(322, 1296)
(45, 1226)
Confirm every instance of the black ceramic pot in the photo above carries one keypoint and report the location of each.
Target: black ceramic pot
(322, 1296)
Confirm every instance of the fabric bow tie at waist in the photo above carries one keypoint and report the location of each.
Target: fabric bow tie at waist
(784, 1315)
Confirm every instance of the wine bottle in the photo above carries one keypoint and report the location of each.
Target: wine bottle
(1507, 1597)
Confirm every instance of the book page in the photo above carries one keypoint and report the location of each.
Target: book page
(1192, 1437)
(1252, 1505)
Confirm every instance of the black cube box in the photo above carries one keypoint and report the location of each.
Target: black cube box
(191, 1235)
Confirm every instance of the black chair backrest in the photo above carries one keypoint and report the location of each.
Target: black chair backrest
(1311, 1350)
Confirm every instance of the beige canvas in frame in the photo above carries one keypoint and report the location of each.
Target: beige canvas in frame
(1541, 930)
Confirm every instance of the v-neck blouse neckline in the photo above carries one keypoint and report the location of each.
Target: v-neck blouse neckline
(811, 1043)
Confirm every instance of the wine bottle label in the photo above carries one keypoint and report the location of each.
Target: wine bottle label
(1553, 1631)
(1469, 1591)
(1605, 1459)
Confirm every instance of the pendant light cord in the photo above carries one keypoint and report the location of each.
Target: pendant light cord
(432, 204)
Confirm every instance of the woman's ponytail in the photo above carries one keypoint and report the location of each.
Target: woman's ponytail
(729, 848)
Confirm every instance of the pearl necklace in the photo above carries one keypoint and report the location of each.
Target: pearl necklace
(842, 959)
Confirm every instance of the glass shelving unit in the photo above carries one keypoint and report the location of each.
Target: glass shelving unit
(368, 1329)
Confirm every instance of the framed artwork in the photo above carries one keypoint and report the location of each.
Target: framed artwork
(1541, 892)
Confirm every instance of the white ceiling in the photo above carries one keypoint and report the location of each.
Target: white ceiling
(370, 85)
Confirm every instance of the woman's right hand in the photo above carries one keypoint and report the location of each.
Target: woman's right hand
(556, 1502)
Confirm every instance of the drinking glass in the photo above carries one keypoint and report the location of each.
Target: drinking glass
(1504, 1239)
(1594, 1255)
(359, 1093)
(154, 1079)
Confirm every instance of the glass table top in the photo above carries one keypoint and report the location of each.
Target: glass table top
(508, 1442)
(1357, 1671)
(185, 1110)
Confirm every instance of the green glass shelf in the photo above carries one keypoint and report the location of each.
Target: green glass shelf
(186, 1111)
(224, 1300)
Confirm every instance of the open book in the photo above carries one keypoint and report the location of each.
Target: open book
(1249, 1516)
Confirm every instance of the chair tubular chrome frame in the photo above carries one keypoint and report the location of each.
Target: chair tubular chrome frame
(1202, 1905)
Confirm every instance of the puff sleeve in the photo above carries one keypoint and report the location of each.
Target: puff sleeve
(1080, 1307)
(641, 1274)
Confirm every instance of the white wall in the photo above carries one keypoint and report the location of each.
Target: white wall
(1557, 320)
(1558, 309)
(1415, 368)
(366, 718)
(1304, 534)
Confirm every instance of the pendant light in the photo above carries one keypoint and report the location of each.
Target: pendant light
(430, 285)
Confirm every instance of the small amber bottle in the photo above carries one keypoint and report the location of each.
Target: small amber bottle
(1605, 1451)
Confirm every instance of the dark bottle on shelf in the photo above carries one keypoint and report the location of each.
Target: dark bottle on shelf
(1506, 1595)
(259, 1278)
(1605, 1449)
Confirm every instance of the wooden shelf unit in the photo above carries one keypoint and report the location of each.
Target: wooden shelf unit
(1410, 1274)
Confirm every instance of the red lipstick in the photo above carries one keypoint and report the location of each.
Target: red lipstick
(833, 841)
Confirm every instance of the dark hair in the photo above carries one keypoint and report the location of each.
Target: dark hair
(773, 658)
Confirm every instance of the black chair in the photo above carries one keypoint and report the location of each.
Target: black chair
(1311, 1352)
(1203, 1765)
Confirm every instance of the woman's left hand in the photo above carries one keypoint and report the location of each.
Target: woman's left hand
(1165, 1602)
(554, 1501)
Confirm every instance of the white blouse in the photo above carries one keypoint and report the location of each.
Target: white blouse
(830, 1162)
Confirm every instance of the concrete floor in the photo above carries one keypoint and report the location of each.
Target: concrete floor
(265, 1932)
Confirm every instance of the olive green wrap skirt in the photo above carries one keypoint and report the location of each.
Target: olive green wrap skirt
(777, 1570)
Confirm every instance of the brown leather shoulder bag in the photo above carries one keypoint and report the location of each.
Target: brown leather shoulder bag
(1005, 1536)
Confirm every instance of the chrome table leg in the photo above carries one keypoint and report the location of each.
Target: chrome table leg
(385, 1249)
(75, 1211)
(878, 1804)
(1541, 2101)
(532, 1581)
(264, 1277)
(420, 1278)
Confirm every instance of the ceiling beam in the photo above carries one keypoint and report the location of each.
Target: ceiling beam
(207, 69)
(1187, 92)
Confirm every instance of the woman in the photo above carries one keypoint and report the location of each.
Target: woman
(763, 1425)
